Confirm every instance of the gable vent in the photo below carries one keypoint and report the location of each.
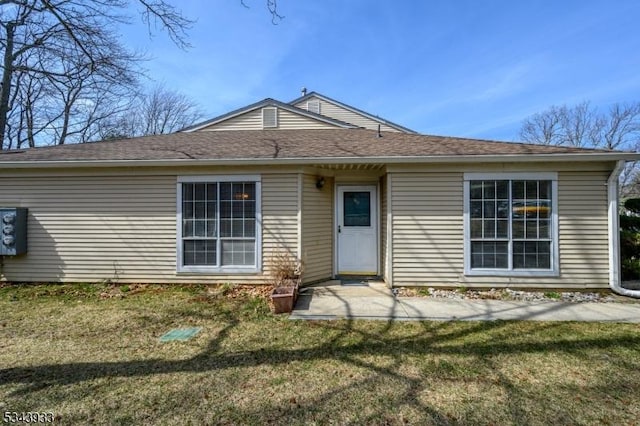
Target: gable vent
(269, 117)
(313, 106)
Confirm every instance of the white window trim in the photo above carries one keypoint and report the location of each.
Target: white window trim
(554, 271)
(249, 269)
(275, 115)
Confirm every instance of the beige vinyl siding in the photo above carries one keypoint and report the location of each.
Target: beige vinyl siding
(92, 227)
(279, 216)
(252, 120)
(583, 226)
(427, 228)
(383, 226)
(428, 245)
(317, 229)
(339, 113)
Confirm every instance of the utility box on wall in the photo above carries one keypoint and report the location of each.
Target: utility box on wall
(13, 222)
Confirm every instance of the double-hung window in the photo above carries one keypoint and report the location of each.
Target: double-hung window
(511, 224)
(218, 224)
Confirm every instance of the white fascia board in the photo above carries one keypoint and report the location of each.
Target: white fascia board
(526, 158)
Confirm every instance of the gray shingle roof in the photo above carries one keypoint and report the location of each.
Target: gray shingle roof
(281, 144)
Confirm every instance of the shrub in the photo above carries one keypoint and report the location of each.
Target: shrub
(285, 267)
(630, 269)
(633, 205)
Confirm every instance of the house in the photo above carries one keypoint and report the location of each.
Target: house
(344, 190)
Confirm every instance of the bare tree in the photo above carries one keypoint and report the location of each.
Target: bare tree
(167, 111)
(585, 126)
(577, 126)
(54, 46)
(620, 128)
(160, 111)
(66, 77)
(544, 127)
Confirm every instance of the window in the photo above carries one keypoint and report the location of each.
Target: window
(510, 224)
(357, 208)
(269, 117)
(218, 224)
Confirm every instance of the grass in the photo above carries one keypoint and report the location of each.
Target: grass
(552, 295)
(91, 354)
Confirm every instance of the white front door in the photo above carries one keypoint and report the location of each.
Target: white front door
(357, 233)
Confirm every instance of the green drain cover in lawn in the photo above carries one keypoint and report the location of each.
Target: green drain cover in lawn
(180, 334)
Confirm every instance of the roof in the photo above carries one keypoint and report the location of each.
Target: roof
(347, 146)
(265, 103)
(352, 109)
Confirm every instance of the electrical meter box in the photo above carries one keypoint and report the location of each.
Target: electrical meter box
(13, 237)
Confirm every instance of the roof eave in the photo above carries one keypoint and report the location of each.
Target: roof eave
(261, 104)
(520, 158)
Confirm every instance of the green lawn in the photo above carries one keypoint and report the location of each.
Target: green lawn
(93, 358)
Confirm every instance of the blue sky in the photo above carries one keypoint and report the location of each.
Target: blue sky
(446, 67)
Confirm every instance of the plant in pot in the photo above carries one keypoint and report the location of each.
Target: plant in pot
(286, 275)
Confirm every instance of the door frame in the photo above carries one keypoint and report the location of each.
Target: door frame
(336, 213)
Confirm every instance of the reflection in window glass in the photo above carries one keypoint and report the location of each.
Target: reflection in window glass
(357, 208)
(199, 210)
(490, 255)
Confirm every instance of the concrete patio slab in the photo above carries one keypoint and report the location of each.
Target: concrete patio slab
(333, 301)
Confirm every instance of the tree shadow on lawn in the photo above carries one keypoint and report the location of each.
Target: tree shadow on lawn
(352, 344)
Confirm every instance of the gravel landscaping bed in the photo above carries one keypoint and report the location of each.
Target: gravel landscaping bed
(604, 296)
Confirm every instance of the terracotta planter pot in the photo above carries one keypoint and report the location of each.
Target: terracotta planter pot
(283, 299)
(295, 283)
